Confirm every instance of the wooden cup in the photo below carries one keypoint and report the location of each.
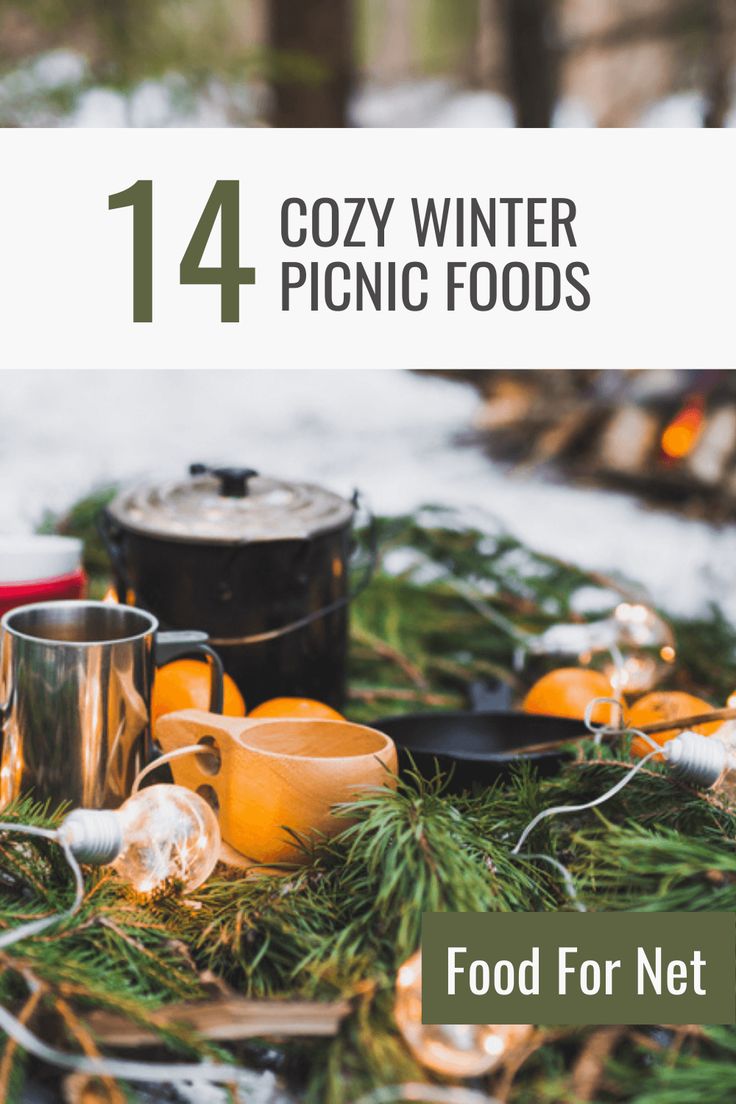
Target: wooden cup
(267, 776)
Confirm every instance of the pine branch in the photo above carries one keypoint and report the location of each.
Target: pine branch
(338, 926)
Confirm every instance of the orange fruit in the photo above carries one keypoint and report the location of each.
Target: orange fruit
(666, 705)
(296, 707)
(567, 691)
(185, 684)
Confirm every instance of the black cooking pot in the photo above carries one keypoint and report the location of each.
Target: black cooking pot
(262, 566)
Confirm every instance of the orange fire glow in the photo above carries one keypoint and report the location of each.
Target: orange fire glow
(111, 597)
(681, 435)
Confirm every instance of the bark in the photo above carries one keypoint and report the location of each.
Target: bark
(531, 59)
(719, 61)
(312, 42)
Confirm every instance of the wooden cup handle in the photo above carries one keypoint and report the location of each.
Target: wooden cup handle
(189, 726)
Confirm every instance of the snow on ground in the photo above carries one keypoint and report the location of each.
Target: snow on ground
(433, 102)
(439, 102)
(426, 102)
(393, 434)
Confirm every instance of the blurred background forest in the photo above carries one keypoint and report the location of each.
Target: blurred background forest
(341, 63)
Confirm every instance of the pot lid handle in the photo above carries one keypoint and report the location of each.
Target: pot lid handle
(233, 481)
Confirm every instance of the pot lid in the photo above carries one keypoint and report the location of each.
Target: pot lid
(230, 505)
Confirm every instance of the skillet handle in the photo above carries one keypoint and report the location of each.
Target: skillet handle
(490, 697)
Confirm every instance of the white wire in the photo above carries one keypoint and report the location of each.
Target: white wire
(28, 829)
(647, 738)
(427, 1094)
(126, 1070)
(606, 728)
(558, 809)
(191, 749)
(567, 877)
(97, 1067)
(122, 1069)
(34, 927)
(599, 731)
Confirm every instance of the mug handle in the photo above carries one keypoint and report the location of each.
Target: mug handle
(179, 644)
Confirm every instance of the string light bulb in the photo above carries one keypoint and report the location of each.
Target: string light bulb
(643, 648)
(705, 762)
(455, 1050)
(163, 834)
(640, 644)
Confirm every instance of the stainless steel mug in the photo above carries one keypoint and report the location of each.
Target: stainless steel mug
(75, 697)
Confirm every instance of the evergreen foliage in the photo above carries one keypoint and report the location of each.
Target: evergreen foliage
(55, 51)
(342, 923)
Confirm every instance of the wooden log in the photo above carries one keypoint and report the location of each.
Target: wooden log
(227, 1019)
(552, 443)
(716, 445)
(507, 405)
(628, 440)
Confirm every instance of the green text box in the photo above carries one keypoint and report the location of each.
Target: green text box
(626, 968)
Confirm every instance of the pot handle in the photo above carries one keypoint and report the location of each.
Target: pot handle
(233, 481)
(110, 536)
(490, 697)
(293, 626)
(179, 644)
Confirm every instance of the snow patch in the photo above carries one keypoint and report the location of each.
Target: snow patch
(392, 434)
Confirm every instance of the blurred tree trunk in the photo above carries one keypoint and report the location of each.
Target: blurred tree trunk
(394, 54)
(531, 60)
(719, 62)
(485, 59)
(313, 45)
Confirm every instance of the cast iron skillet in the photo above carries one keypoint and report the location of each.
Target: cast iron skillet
(477, 746)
